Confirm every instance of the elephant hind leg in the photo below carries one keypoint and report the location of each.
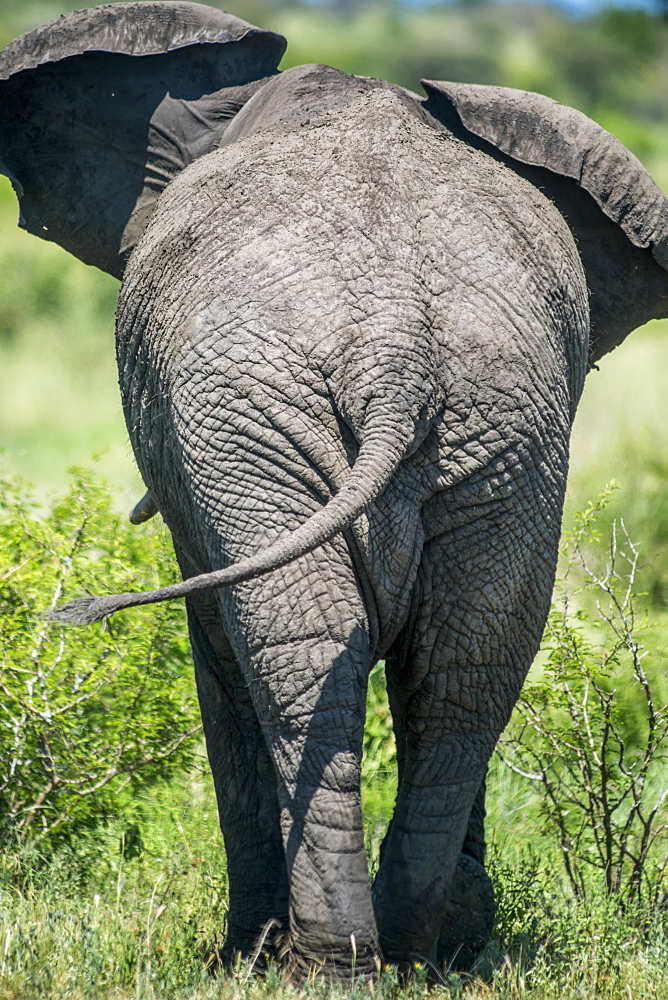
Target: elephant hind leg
(306, 662)
(454, 676)
(468, 916)
(245, 783)
(471, 907)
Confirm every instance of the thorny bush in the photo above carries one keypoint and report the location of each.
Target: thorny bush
(591, 730)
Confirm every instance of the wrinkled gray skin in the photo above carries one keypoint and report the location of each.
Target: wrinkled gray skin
(351, 272)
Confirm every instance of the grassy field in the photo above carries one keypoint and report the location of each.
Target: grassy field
(93, 924)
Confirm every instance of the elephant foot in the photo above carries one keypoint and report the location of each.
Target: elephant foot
(345, 968)
(469, 916)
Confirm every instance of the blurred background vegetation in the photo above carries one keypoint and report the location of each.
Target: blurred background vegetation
(59, 406)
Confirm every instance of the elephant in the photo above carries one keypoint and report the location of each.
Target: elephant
(353, 328)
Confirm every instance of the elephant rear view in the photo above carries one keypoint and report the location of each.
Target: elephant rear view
(352, 333)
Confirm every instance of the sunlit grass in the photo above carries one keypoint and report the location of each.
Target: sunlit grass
(147, 928)
(624, 407)
(620, 435)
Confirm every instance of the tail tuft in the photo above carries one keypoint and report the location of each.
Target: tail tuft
(87, 610)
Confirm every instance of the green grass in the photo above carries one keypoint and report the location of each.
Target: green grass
(97, 925)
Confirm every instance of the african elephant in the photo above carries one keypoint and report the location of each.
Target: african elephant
(352, 333)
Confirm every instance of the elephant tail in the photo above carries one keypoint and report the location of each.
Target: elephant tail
(377, 461)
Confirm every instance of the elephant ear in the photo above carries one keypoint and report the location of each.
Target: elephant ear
(617, 213)
(100, 109)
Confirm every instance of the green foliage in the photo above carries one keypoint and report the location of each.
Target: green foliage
(379, 764)
(642, 466)
(591, 731)
(556, 944)
(141, 927)
(86, 718)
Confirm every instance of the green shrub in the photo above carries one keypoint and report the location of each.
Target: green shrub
(591, 731)
(379, 764)
(87, 717)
